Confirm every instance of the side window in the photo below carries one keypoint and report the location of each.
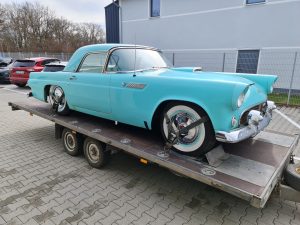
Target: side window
(121, 60)
(154, 8)
(93, 63)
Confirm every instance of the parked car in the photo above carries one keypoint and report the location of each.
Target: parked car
(4, 61)
(23, 67)
(5, 67)
(54, 66)
(136, 85)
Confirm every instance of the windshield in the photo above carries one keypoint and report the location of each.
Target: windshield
(125, 60)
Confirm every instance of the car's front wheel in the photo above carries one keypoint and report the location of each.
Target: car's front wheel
(58, 100)
(198, 140)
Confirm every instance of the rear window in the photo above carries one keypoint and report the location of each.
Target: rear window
(53, 68)
(46, 61)
(24, 63)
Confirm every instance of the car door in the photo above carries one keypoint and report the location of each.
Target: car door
(89, 86)
(127, 88)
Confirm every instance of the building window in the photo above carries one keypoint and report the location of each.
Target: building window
(247, 61)
(155, 8)
(249, 2)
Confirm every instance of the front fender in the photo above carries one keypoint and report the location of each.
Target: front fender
(196, 101)
(265, 81)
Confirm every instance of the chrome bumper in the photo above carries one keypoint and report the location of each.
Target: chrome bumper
(256, 124)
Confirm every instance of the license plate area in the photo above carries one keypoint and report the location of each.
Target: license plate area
(19, 72)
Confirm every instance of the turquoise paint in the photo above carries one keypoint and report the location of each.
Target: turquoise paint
(105, 95)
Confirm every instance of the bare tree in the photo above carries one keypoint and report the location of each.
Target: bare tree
(33, 27)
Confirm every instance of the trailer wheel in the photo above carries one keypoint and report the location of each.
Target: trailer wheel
(95, 153)
(292, 176)
(72, 142)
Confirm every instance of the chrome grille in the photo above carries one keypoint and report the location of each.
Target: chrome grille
(244, 118)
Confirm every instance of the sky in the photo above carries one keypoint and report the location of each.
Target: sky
(74, 10)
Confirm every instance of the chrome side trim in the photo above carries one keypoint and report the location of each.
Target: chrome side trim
(134, 85)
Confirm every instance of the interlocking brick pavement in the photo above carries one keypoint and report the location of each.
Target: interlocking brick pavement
(41, 184)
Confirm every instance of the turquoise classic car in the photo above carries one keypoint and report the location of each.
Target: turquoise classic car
(136, 85)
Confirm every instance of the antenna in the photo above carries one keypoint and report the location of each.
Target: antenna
(134, 55)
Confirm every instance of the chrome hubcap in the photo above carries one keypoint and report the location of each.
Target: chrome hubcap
(56, 95)
(182, 120)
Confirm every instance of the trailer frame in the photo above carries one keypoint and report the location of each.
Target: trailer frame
(139, 142)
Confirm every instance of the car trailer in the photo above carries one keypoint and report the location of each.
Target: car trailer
(250, 170)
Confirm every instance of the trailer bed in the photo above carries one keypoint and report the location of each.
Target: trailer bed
(251, 171)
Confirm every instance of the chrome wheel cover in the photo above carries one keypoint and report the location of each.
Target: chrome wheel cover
(55, 94)
(182, 116)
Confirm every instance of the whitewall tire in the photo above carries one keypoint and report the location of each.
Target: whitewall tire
(55, 93)
(198, 140)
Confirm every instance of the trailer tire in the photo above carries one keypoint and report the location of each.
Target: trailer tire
(72, 142)
(292, 176)
(95, 152)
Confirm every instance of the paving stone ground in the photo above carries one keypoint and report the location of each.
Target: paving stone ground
(41, 184)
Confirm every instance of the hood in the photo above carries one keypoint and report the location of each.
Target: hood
(187, 73)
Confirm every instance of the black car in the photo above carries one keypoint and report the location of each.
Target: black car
(5, 66)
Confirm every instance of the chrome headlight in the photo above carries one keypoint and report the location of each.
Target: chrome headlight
(241, 100)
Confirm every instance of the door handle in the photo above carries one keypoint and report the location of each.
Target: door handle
(73, 78)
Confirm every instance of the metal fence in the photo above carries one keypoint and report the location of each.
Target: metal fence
(21, 55)
(285, 64)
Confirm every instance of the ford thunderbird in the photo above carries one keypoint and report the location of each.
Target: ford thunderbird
(136, 85)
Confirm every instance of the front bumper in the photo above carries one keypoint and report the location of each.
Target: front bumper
(254, 127)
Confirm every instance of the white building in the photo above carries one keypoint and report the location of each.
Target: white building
(260, 36)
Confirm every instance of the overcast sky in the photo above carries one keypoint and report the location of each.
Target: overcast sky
(75, 10)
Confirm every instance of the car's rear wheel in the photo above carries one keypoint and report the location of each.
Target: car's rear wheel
(198, 140)
(58, 100)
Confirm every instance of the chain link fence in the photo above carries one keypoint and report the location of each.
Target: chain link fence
(21, 55)
(285, 64)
